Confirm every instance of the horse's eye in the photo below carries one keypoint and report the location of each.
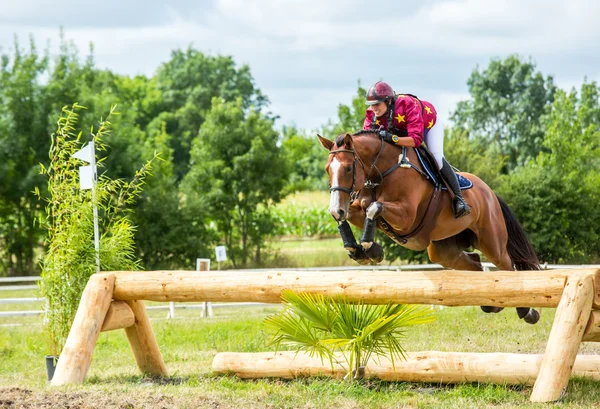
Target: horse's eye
(348, 168)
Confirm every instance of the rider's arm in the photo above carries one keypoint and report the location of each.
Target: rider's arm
(414, 120)
(405, 141)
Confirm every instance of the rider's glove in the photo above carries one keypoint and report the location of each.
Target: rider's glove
(387, 136)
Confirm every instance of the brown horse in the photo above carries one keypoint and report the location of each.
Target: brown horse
(370, 190)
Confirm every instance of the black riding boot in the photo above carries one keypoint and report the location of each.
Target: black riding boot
(461, 208)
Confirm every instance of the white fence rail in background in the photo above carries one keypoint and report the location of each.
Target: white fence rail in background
(206, 308)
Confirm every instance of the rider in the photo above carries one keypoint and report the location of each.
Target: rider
(404, 120)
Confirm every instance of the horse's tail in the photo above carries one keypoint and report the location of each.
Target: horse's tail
(519, 247)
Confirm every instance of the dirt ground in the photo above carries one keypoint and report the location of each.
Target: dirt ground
(21, 398)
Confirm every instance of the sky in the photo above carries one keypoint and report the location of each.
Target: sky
(308, 56)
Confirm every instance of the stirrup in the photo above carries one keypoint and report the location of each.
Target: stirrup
(458, 213)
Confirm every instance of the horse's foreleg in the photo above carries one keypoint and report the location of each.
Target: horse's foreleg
(372, 250)
(347, 236)
(368, 235)
(355, 252)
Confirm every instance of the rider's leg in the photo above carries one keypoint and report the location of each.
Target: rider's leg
(435, 143)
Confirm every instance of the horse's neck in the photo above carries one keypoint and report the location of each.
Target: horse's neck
(403, 184)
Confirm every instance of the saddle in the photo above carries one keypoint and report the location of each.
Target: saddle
(427, 162)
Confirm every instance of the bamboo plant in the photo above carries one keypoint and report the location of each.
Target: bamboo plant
(70, 257)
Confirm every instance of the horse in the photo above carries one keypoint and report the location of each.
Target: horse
(374, 184)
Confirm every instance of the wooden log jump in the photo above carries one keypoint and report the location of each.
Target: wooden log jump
(574, 292)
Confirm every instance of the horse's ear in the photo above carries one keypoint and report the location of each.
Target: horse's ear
(348, 143)
(327, 144)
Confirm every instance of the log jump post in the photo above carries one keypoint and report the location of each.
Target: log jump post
(114, 300)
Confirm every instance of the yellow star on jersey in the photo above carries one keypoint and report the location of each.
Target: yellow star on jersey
(377, 122)
(428, 110)
(400, 118)
(430, 124)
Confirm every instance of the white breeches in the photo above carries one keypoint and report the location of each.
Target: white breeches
(435, 142)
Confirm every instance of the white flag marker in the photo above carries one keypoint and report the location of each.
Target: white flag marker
(87, 180)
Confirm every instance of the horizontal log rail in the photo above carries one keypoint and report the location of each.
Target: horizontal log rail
(425, 366)
(448, 287)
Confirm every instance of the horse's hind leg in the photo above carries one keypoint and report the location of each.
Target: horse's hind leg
(450, 254)
(493, 245)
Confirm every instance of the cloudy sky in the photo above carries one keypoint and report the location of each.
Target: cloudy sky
(308, 55)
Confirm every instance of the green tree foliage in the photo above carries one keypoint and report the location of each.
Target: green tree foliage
(556, 195)
(508, 101)
(237, 172)
(304, 161)
(172, 230)
(188, 82)
(23, 141)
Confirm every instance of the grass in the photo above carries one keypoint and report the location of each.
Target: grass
(309, 253)
(188, 345)
(316, 197)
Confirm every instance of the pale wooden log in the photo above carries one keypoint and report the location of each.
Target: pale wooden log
(448, 287)
(571, 318)
(119, 316)
(143, 342)
(426, 366)
(76, 356)
(592, 330)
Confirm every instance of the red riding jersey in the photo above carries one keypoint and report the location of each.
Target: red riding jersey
(410, 118)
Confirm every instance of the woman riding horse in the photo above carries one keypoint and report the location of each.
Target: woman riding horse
(375, 184)
(404, 120)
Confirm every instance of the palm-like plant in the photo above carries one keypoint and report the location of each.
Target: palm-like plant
(331, 326)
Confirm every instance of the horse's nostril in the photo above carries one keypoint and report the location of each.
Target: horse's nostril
(340, 213)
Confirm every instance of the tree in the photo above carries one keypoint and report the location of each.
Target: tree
(23, 142)
(237, 172)
(172, 230)
(188, 83)
(304, 157)
(508, 102)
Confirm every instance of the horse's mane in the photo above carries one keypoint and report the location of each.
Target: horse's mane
(363, 132)
(339, 140)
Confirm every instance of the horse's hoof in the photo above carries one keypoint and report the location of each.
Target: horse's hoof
(532, 317)
(363, 261)
(375, 253)
(358, 255)
(491, 309)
